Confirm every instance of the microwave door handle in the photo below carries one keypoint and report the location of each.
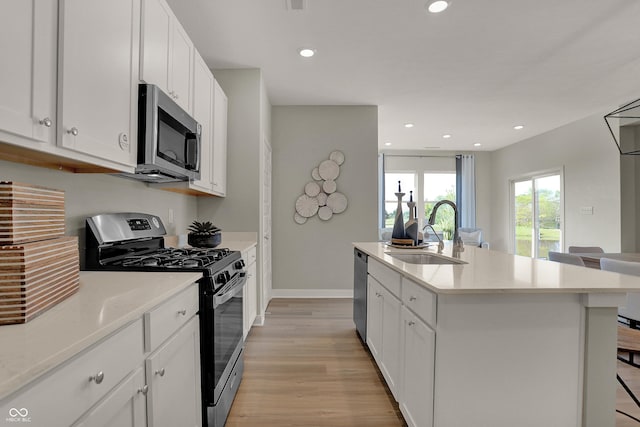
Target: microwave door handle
(191, 154)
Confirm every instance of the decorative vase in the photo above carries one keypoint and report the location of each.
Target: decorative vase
(398, 225)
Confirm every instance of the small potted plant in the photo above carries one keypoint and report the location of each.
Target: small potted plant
(204, 235)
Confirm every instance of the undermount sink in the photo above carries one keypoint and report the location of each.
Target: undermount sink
(424, 258)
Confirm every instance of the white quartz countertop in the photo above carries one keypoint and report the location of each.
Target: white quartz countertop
(105, 302)
(238, 241)
(489, 271)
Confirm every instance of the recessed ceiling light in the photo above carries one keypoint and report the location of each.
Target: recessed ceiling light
(518, 127)
(437, 6)
(387, 144)
(477, 144)
(446, 135)
(408, 125)
(307, 52)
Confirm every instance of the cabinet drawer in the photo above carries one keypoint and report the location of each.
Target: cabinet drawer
(421, 301)
(161, 322)
(64, 395)
(249, 256)
(388, 278)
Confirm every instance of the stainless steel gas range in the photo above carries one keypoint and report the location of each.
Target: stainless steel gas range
(134, 242)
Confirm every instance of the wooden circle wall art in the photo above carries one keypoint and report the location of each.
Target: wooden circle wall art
(321, 196)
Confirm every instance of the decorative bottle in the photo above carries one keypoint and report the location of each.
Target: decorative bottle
(411, 226)
(398, 225)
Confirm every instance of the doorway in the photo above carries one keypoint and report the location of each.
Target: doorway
(537, 218)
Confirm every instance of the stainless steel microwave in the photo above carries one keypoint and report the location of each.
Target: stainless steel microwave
(168, 139)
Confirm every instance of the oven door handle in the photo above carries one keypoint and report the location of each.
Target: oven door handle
(233, 291)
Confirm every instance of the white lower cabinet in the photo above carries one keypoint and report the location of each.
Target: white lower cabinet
(418, 364)
(374, 319)
(383, 324)
(64, 395)
(250, 291)
(123, 407)
(173, 378)
(135, 377)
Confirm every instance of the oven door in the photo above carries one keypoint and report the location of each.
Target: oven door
(221, 318)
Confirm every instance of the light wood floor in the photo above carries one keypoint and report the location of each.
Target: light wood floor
(307, 367)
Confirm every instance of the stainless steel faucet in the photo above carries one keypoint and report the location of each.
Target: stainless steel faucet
(440, 242)
(457, 241)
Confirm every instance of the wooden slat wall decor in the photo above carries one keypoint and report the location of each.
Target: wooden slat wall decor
(30, 213)
(35, 276)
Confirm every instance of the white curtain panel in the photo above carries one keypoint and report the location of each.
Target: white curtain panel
(468, 191)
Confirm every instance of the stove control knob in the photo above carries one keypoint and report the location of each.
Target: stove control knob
(221, 279)
(227, 276)
(239, 264)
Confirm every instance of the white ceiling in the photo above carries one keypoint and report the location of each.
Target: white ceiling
(473, 71)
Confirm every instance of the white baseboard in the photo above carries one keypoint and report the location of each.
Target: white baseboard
(312, 293)
(259, 320)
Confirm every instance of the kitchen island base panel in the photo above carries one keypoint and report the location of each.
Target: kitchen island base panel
(600, 367)
(505, 360)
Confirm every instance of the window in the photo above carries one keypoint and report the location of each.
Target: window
(433, 187)
(407, 183)
(438, 186)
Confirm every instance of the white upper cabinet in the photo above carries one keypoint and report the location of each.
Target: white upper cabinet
(167, 53)
(220, 105)
(98, 70)
(203, 83)
(28, 45)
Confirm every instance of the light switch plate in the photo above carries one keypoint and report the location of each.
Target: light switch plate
(586, 210)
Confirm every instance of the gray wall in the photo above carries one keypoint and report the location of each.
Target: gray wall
(318, 255)
(91, 194)
(591, 164)
(239, 211)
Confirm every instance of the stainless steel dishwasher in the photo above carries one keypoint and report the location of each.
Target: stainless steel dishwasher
(360, 292)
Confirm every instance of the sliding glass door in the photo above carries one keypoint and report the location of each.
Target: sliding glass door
(537, 215)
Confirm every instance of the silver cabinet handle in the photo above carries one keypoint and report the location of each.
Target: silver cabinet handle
(97, 377)
(143, 390)
(182, 312)
(411, 323)
(46, 122)
(160, 372)
(378, 294)
(412, 298)
(73, 131)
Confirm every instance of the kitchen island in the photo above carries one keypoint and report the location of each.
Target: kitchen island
(484, 338)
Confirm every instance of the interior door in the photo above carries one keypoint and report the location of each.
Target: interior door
(266, 229)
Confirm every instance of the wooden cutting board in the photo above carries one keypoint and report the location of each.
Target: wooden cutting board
(30, 213)
(36, 276)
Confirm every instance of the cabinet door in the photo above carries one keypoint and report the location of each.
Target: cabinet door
(250, 298)
(181, 66)
(203, 83)
(156, 35)
(28, 46)
(391, 343)
(173, 377)
(124, 406)
(98, 76)
(416, 400)
(374, 318)
(220, 141)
